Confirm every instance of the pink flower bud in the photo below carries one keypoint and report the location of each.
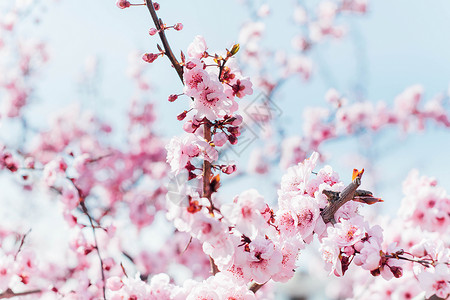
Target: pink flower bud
(349, 251)
(178, 26)
(123, 4)
(149, 57)
(181, 116)
(190, 65)
(220, 139)
(237, 121)
(156, 6)
(153, 31)
(189, 127)
(358, 246)
(228, 169)
(173, 97)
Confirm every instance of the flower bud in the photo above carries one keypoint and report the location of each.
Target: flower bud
(232, 139)
(220, 139)
(228, 169)
(181, 116)
(149, 57)
(237, 121)
(123, 4)
(234, 131)
(173, 97)
(178, 26)
(189, 127)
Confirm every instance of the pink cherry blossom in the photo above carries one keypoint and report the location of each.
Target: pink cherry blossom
(220, 139)
(211, 101)
(263, 260)
(197, 48)
(436, 282)
(181, 150)
(246, 212)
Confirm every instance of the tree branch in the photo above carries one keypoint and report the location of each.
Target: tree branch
(10, 294)
(206, 191)
(168, 51)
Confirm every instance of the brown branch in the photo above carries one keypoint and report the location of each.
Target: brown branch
(222, 67)
(10, 294)
(168, 51)
(206, 191)
(336, 200)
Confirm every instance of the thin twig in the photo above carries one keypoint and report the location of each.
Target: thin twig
(22, 242)
(424, 263)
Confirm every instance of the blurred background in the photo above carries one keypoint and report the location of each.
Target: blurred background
(94, 55)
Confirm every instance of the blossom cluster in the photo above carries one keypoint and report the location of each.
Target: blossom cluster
(425, 204)
(256, 243)
(213, 84)
(314, 23)
(19, 60)
(344, 118)
(219, 287)
(100, 187)
(425, 244)
(72, 164)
